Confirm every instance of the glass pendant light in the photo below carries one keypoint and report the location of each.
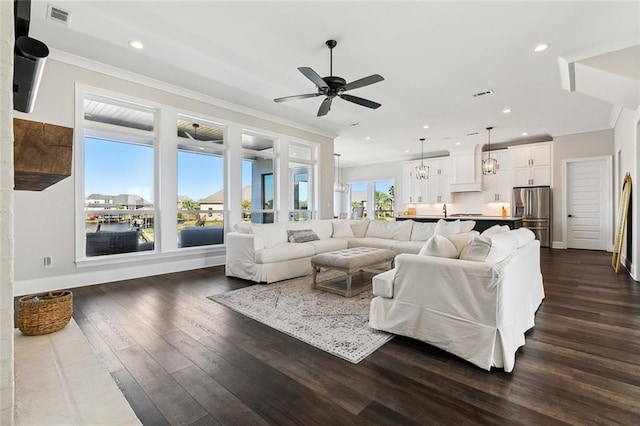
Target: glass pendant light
(489, 165)
(338, 185)
(422, 171)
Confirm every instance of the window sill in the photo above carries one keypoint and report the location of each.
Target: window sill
(118, 259)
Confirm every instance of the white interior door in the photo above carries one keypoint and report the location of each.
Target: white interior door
(588, 204)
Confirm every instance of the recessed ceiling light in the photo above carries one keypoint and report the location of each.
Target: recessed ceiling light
(406, 150)
(368, 138)
(457, 143)
(506, 110)
(136, 44)
(541, 47)
(426, 126)
(525, 134)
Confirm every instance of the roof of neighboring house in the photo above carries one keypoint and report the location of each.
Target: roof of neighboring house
(218, 197)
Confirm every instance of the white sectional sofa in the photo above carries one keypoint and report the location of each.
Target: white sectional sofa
(263, 252)
(477, 307)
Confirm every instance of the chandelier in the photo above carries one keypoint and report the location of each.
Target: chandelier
(422, 171)
(338, 185)
(489, 165)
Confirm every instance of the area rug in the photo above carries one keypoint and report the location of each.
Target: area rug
(333, 323)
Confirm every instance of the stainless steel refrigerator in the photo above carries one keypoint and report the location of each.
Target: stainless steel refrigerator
(533, 204)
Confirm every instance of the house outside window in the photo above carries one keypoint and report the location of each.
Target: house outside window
(200, 182)
(118, 169)
(259, 196)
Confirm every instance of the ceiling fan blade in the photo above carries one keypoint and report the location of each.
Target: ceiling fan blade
(361, 101)
(290, 98)
(325, 107)
(314, 77)
(189, 135)
(375, 78)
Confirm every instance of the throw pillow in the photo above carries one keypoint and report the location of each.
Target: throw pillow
(302, 235)
(447, 228)
(439, 246)
(342, 228)
(467, 225)
(359, 227)
(422, 231)
(461, 240)
(502, 245)
(477, 250)
(523, 235)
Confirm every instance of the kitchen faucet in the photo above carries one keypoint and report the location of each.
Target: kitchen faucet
(444, 210)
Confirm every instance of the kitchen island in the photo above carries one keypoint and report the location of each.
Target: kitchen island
(482, 222)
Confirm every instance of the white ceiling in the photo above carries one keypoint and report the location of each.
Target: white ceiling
(433, 56)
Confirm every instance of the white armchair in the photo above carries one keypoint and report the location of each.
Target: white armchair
(478, 311)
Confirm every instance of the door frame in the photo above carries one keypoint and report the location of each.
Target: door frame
(608, 187)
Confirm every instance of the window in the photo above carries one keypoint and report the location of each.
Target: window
(118, 177)
(301, 167)
(200, 169)
(258, 191)
(374, 199)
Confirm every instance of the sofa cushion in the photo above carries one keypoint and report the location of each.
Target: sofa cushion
(446, 228)
(411, 247)
(342, 228)
(329, 244)
(359, 227)
(439, 246)
(400, 230)
(461, 240)
(322, 227)
(284, 251)
(301, 235)
(477, 250)
(502, 245)
(271, 233)
(383, 243)
(422, 231)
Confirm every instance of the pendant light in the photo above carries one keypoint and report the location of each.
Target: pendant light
(338, 185)
(489, 165)
(422, 171)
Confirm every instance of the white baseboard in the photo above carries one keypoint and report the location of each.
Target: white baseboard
(82, 279)
(558, 245)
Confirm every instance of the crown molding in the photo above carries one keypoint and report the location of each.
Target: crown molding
(89, 64)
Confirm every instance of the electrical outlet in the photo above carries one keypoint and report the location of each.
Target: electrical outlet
(48, 262)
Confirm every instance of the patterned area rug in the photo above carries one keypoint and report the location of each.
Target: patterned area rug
(327, 321)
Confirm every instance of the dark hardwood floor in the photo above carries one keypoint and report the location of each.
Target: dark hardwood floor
(182, 359)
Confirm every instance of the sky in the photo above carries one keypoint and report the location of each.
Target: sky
(125, 168)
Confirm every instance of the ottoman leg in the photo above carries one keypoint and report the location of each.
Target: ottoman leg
(315, 274)
(347, 292)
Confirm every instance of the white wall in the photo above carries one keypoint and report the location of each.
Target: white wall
(7, 390)
(627, 142)
(45, 221)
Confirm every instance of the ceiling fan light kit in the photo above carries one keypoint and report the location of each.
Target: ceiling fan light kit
(333, 86)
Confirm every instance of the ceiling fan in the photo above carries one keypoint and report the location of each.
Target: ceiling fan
(333, 86)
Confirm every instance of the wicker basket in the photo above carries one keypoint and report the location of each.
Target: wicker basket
(50, 312)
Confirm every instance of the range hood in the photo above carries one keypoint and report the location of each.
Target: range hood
(466, 171)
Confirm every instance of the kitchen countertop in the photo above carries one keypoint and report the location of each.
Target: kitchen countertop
(449, 217)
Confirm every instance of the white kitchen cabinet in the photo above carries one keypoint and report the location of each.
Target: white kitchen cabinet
(497, 187)
(531, 164)
(436, 189)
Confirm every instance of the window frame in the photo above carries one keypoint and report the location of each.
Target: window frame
(313, 181)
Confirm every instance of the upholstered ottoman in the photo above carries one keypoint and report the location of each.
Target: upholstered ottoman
(349, 261)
